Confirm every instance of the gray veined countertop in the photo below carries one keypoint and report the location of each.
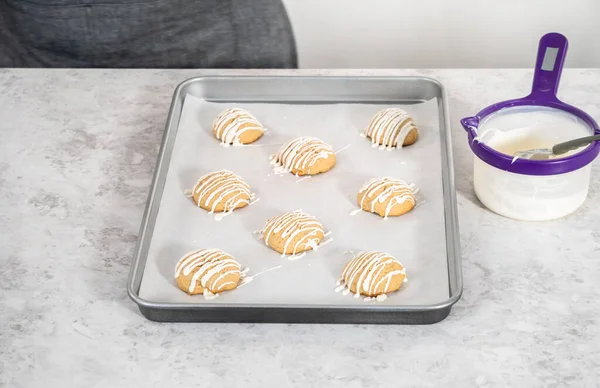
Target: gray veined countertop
(77, 152)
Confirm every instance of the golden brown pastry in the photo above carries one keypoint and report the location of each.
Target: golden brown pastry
(305, 156)
(292, 233)
(386, 196)
(373, 273)
(392, 128)
(207, 271)
(221, 191)
(236, 127)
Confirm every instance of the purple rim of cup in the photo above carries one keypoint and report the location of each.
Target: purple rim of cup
(543, 94)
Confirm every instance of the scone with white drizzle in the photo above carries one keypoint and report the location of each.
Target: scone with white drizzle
(237, 127)
(304, 156)
(373, 273)
(392, 128)
(293, 232)
(386, 196)
(208, 272)
(221, 191)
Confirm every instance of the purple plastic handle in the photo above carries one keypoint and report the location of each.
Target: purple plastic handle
(551, 55)
(545, 81)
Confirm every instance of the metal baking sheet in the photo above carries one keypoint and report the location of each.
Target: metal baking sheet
(336, 110)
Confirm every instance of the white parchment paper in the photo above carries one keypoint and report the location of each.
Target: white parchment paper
(417, 239)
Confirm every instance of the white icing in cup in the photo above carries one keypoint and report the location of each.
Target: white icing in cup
(522, 129)
(530, 197)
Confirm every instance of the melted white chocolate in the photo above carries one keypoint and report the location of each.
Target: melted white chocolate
(398, 190)
(389, 128)
(368, 267)
(293, 224)
(208, 263)
(211, 189)
(301, 154)
(228, 125)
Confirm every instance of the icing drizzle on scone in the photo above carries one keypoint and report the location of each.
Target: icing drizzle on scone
(368, 267)
(301, 154)
(212, 189)
(399, 190)
(389, 128)
(228, 125)
(292, 224)
(208, 263)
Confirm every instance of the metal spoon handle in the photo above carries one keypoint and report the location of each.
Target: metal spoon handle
(570, 145)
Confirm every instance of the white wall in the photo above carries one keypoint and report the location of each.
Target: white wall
(440, 33)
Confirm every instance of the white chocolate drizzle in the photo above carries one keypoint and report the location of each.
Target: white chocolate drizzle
(325, 242)
(346, 291)
(240, 145)
(368, 267)
(209, 295)
(295, 257)
(247, 279)
(342, 149)
(398, 190)
(378, 298)
(389, 128)
(228, 126)
(293, 224)
(300, 154)
(355, 212)
(211, 189)
(208, 263)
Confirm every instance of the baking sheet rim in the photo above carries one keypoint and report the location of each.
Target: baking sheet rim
(147, 224)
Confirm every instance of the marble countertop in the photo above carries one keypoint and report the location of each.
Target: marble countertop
(77, 152)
